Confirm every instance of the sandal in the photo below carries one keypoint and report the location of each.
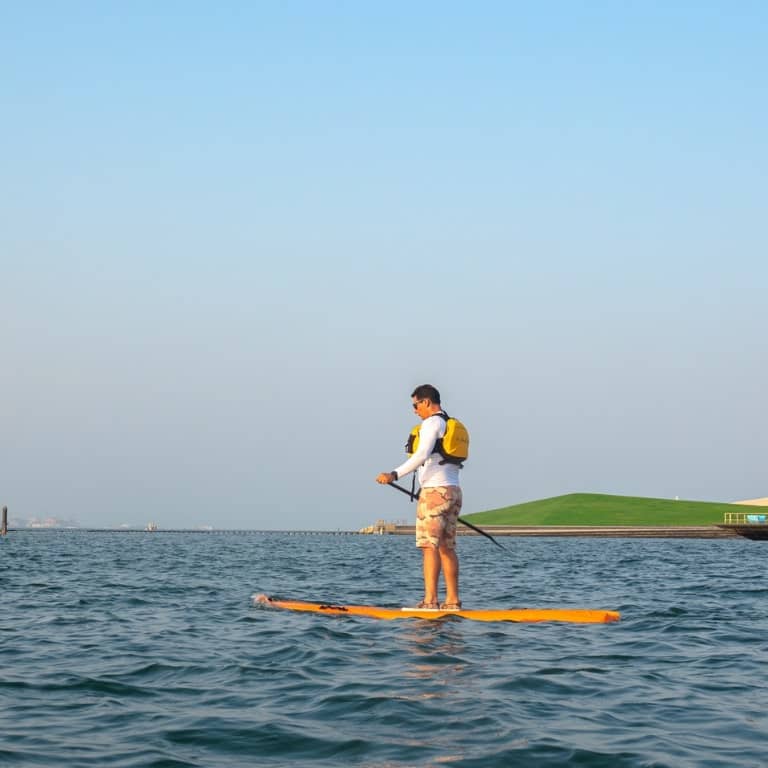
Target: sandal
(451, 606)
(424, 606)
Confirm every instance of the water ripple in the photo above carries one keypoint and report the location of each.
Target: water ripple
(144, 650)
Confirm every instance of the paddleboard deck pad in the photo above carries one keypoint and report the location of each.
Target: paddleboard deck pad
(570, 615)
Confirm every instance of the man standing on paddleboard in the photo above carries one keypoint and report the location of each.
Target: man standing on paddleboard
(439, 502)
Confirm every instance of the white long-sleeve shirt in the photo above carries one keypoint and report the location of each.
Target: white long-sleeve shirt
(431, 472)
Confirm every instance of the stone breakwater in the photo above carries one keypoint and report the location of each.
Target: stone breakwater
(604, 531)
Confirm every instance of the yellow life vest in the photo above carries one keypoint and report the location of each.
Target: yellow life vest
(453, 446)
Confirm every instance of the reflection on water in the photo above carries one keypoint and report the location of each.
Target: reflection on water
(432, 649)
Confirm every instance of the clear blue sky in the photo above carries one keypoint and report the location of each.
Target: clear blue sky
(234, 236)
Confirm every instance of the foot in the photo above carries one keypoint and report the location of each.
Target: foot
(446, 606)
(427, 605)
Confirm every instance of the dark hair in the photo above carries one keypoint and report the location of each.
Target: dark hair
(426, 392)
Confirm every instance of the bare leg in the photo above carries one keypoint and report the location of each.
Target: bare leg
(450, 567)
(431, 566)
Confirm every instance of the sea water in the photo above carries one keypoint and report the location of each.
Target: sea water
(144, 649)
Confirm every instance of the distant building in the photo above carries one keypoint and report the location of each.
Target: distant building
(754, 502)
(51, 522)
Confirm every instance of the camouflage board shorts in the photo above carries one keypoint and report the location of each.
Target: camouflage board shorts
(436, 515)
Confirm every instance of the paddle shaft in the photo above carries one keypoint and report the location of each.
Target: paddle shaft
(461, 520)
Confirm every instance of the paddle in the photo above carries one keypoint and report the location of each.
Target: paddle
(461, 520)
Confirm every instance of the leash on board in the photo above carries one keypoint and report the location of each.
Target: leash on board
(461, 520)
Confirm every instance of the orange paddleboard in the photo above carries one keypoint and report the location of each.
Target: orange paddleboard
(572, 615)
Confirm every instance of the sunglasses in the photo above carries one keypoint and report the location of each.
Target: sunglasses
(416, 404)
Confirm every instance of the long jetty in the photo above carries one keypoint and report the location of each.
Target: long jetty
(210, 531)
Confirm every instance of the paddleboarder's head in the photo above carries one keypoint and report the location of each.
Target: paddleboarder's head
(426, 401)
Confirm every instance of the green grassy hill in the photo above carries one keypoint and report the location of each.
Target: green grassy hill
(600, 509)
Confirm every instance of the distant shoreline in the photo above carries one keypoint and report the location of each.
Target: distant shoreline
(523, 531)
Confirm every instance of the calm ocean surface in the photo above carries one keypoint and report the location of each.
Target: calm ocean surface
(145, 650)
